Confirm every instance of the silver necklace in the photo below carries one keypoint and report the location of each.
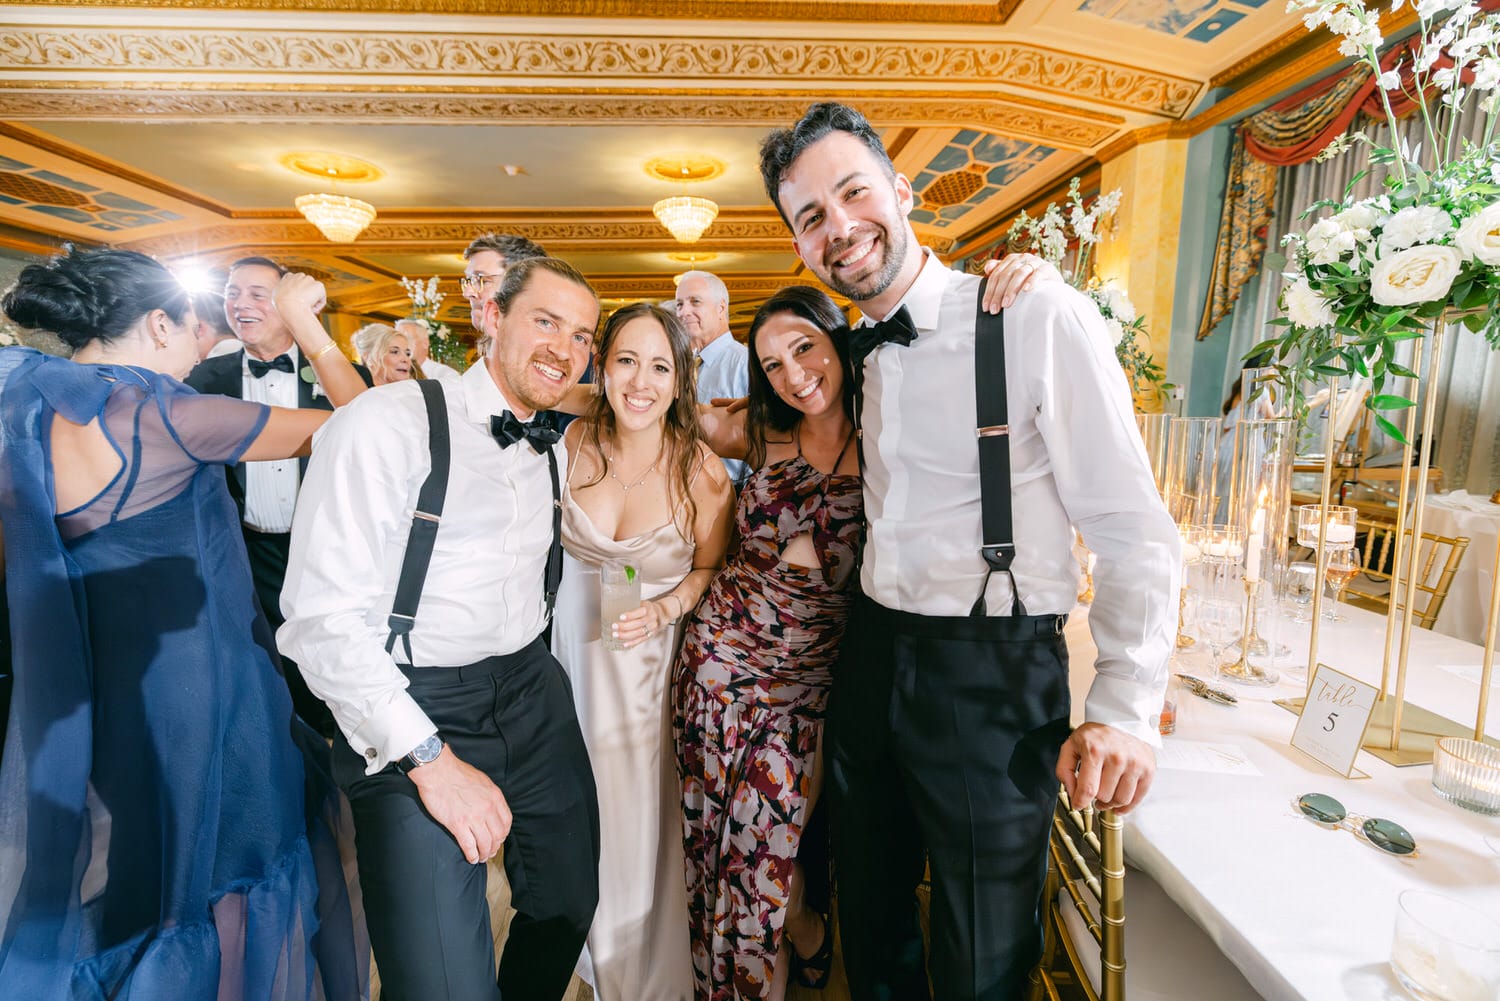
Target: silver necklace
(609, 465)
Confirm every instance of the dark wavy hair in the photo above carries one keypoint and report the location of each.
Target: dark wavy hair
(681, 419)
(780, 149)
(84, 296)
(767, 411)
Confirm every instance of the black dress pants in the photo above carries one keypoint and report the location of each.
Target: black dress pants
(943, 737)
(512, 718)
(268, 552)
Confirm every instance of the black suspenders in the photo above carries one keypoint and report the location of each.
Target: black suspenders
(428, 515)
(998, 548)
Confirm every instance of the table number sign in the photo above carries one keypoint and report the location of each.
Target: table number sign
(1334, 719)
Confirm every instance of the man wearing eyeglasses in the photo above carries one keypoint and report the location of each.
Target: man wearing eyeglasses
(485, 262)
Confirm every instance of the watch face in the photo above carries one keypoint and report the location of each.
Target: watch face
(428, 750)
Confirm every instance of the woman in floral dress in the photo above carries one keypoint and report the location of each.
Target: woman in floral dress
(753, 676)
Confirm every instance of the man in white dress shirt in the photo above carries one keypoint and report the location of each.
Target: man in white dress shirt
(269, 370)
(702, 305)
(948, 721)
(465, 738)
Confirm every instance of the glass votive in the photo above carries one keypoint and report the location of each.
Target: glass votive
(1444, 950)
(1467, 774)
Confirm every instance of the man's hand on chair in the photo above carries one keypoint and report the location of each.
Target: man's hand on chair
(1106, 766)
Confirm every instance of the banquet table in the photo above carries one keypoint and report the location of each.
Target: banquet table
(1467, 608)
(1305, 913)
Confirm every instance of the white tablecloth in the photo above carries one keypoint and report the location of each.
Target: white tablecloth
(1466, 611)
(1306, 913)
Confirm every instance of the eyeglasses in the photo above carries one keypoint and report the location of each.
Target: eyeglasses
(470, 283)
(1204, 690)
(1387, 835)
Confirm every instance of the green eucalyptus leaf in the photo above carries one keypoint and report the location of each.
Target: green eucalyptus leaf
(1389, 402)
(1391, 429)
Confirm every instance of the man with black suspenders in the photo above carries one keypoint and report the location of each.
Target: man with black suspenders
(425, 555)
(948, 722)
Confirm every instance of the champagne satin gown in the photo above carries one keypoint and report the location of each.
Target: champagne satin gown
(638, 946)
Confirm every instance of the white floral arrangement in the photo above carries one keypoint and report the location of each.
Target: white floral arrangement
(1049, 235)
(1376, 271)
(426, 299)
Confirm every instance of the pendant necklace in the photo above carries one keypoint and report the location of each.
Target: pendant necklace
(609, 465)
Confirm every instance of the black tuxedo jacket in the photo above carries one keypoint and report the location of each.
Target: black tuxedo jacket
(224, 376)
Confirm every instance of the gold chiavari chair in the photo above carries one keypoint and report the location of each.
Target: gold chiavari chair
(1085, 871)
(1436, 562)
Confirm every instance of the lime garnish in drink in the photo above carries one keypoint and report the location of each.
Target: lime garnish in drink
(629, 573)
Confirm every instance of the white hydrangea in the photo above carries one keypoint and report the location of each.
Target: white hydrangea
(1413, 225)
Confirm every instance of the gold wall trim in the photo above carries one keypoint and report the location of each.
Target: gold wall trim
(1036, 121)
(171, 53)
(747, 10)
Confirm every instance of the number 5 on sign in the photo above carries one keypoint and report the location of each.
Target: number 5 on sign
(1334, 719)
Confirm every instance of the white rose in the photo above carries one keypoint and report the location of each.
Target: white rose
(1305, 307)
(1360, 218)
(1421, 274)
(1413, 225)
(1478, 239)
(1115, 328)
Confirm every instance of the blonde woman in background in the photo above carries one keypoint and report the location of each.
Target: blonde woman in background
(385, 351)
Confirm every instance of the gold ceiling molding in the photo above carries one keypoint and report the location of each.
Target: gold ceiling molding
(170, 52)
(1042, 122)
(748, 10)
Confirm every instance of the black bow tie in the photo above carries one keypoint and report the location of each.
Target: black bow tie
(282, 363)
(509, 429)
(862, 340)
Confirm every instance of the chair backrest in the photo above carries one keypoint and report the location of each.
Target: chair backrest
(1085, 876)
(1433, 566)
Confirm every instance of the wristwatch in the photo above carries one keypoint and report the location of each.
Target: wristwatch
(425, 752)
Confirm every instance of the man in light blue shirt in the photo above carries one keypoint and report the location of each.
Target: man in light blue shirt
(723, 362)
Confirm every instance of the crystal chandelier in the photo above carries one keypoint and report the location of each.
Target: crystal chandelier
(338, 217)
(685, 216)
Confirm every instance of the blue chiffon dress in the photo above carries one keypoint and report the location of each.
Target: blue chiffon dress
(165, 820)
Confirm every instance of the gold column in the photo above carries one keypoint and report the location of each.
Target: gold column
(1141, 256)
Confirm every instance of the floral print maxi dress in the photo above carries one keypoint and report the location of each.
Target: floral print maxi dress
(752, 682)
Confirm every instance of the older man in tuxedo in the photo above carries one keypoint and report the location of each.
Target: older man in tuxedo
(269, 370)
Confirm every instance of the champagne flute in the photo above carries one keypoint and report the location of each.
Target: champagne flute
(1342, 568)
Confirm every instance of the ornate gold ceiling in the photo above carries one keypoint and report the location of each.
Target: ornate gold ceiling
(157, 125)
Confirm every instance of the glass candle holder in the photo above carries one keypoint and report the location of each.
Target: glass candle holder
(1467, 774)
(1444, 950)
(1154, 429)
(1192, 493)
(1340, 533)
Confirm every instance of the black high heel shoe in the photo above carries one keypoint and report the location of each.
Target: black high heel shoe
(813, 971)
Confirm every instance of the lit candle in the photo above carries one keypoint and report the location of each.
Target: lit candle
(1257, 540)
(1340, 533)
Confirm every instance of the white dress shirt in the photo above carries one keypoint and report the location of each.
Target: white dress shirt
(724, 373)
(1076, 459)
(484, 590)
(434, 369)
(271, 487)
(227, 346)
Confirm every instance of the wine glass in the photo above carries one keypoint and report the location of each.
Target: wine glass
(1341, 569)
(1299, 587)
(1218, 621)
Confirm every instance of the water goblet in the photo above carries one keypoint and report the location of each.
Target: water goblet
(1217, 620)
(1299, 588)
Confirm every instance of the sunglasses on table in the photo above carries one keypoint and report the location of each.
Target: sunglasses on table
(1387, 835)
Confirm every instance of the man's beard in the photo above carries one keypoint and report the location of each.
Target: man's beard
(871, 286)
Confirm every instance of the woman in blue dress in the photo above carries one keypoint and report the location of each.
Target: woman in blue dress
(164, 829)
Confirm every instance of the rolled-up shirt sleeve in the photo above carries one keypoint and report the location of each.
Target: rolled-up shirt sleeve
(1105, 483)
(348, 537)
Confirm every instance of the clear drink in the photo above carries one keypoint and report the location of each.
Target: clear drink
(619, 592)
